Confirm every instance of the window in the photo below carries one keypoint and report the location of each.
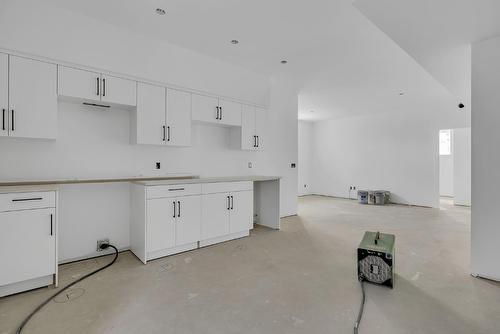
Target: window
(445, 142)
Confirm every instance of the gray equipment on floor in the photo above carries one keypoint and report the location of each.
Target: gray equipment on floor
(363, 197)
(376, 258)
(378, 197)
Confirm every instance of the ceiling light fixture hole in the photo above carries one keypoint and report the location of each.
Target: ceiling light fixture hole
(284, 62)
(234, 41)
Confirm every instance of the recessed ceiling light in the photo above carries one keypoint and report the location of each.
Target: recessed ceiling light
(401, 93)
(284, 62)
(234, 41)
(311, 110)
(160, 11)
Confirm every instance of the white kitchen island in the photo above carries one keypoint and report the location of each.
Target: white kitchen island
(173, 216)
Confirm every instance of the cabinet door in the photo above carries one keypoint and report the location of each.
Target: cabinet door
(215, 215)
(178, 118)
(32, 98)
(160, 220)
(78, 84)
(4, 97)
(188, 225)
(205, 108)
(260, 127)
(241, 213)
(231, 113)
(27, 245)
(118, 90)
(150, 118)
(248, 139)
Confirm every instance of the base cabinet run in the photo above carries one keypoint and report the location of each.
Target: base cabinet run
(169, 219)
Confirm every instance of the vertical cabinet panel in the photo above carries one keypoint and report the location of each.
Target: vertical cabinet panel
(150, 118)
(4, 97)
(178, 118)
(27, 245)
(248, 135)
(118, 90)
(260, 127)
(79, 84)
(230, 113)
(160, 220)
(215, 215)
(188, 224)
(205, 108)
(241, 213)
(32, 98)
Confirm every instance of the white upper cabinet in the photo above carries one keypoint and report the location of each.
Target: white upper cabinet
(260, 127)
(216, 111)
(150, 117)
(230, 113)
(205, 109)
(32, 98)
(163, 116)
(178, 124)
(79, 84)
(253, 128)
(4, 94)
(92, 86)
(118, 90)
(248, 136)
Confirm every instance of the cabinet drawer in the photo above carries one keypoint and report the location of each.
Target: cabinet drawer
(224, 187)
(24, 201)
(173, 190)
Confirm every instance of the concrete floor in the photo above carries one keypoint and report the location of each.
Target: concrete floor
(298, 280)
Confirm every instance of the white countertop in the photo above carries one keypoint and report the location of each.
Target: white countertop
(34, 182)
(26, 185)
(253, 178)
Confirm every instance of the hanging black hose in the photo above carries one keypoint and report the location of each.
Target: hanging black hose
(45, 302)
(361, 307)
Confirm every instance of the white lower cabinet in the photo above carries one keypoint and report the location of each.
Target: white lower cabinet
(241, 212)
(169, 219)
(172, 222)
(27, 241)
(215, 212)
(160, 224)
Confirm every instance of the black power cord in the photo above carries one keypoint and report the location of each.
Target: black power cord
(45, 302)
(361, 307)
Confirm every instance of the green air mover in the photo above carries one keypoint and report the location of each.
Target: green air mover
(376, 258)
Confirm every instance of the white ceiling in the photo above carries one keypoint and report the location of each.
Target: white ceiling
(345, 65)
(437, 34)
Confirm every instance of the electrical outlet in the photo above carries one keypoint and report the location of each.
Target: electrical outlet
(293, 165)
(100, 242)
(250, 165)
(158, 165)
(305, 185)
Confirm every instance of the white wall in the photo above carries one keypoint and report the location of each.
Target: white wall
(485, 158)
(96, 143)
(395, 152)
(462, 166)
(305, 157)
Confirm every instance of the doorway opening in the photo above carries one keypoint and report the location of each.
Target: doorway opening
(455, 167)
